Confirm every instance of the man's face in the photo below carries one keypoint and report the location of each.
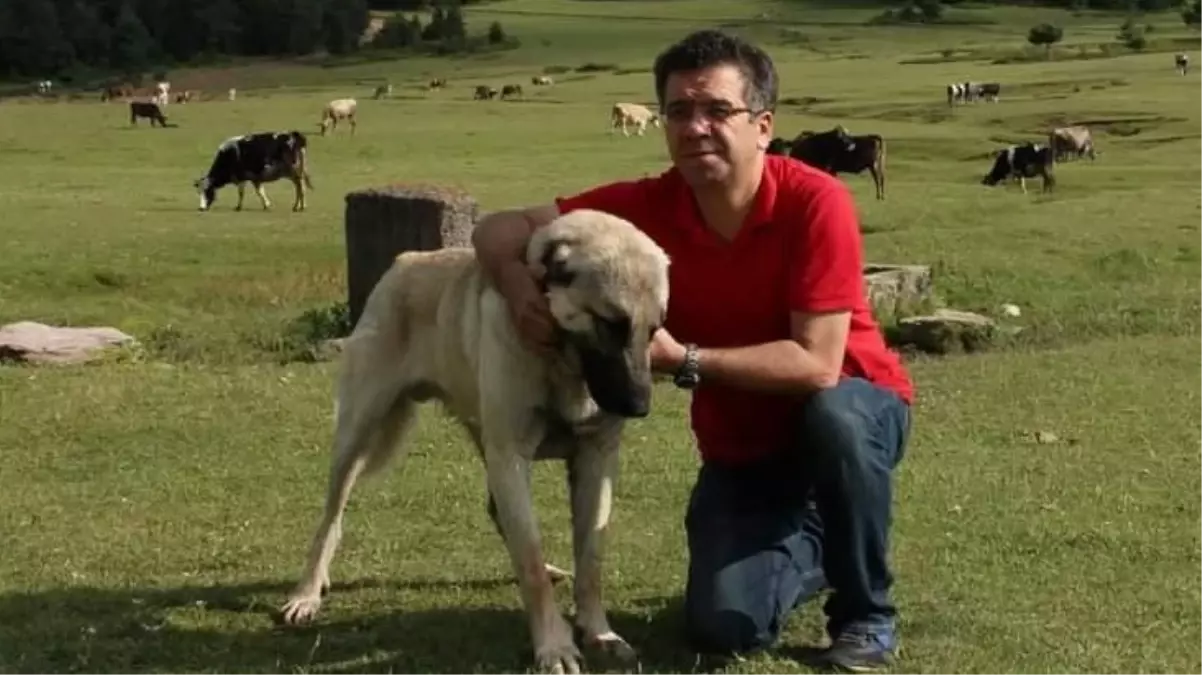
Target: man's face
(711, 133)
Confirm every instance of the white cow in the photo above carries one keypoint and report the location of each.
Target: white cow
(633, 114)
(162, 93)
(338, 109)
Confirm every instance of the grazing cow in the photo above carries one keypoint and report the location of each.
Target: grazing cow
(1071, 142)
(988, 91)
(511, 90)
(485, 93)
(1021, 162)
(117, 91)
(1181, 62)
(436, 83)
(838, 151)
(162, 92)
(185, 96)
(148, 109)
(778, 146)
(259, 158)
(955, 92)
(541, 80)
(639, 116)
(233, 93)
(382, 91)
(338, 109)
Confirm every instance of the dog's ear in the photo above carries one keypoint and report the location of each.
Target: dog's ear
(555, 264)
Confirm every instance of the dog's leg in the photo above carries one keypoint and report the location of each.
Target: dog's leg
(508, 482)
(556, 574)
(372, 417)
(592, 470)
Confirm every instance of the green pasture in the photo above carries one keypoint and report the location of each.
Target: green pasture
(156, 506)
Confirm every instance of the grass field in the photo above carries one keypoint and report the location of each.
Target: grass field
(156, 509)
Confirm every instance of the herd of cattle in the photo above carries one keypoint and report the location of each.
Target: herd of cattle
(260, 158)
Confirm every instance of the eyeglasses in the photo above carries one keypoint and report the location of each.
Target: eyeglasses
(714, 111)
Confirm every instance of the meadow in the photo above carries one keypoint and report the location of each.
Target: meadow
(156, 506)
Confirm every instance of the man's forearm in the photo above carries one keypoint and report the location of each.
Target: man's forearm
(500, 240)
(782, 366)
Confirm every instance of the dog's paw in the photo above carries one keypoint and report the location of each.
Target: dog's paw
(612, 649)
(300, 609)
(559, 659)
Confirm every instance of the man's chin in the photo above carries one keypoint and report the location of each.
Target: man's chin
(703, 169)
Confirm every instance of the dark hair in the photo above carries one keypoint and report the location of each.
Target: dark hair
(707, 48)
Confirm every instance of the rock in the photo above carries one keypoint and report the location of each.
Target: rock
(32, 342)
(899, 290)
(946, 331)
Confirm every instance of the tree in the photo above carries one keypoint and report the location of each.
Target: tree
(131, 44)
(1045, 35)
(496, 34)
(1191, 13)
(1133, 35)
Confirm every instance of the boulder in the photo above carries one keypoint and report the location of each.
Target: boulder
(32, 342)
(945, 331)
(899, 290)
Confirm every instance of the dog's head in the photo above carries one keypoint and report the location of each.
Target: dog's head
(607, 284)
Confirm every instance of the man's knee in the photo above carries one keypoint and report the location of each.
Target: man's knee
(854, 421)
(716, 624)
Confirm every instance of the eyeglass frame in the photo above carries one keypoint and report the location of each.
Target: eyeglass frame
(708, 108)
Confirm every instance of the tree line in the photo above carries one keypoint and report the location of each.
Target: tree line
(74, 39)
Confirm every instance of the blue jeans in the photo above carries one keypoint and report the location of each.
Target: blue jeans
(766, 537)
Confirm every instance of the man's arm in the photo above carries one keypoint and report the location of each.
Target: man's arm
(825, 284)
(500, 238)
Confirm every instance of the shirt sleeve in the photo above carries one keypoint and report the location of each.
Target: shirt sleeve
(624, 199)
(827, 270)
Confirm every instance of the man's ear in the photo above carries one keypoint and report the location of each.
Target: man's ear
(554, 262)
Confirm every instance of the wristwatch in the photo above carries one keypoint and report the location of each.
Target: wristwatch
(688, 376)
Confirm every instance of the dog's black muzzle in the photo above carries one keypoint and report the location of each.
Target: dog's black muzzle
(614, 384)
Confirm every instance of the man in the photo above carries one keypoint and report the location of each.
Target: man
(799, 410)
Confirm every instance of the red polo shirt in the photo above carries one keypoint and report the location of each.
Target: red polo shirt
(798, 250)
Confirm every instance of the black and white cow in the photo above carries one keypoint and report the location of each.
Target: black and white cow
(1181, 63)
(836, 151)
(1021, 162)
(259, 158)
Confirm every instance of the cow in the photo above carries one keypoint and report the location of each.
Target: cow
(260, 158)
(778, 146)
(511, 90)
(1181, 62)
(1021, 162)
(639, 116)
(436, 83)
(485, 93)
(988, 91)
(1071, 142)
(382, 91)
(541, 80)
(836, 151)
(338, 109)
(955, 92)
(185, 96)
(232, 94)
(117, 91)
(162, 92)
(148, 109)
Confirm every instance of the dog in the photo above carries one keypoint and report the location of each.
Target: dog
(434, 328)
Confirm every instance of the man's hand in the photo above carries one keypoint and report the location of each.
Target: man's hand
(528, 307)
(667, 355)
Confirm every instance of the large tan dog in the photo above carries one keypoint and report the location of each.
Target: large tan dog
(435, 329)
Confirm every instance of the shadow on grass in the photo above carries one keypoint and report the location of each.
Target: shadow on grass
(234, 629)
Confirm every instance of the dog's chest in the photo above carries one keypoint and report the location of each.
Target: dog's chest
(570, 424)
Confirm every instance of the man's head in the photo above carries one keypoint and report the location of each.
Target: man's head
(717, 94)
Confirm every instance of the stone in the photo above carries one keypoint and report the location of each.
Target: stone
(32, 342)
(383, 222)
(895, 291)
(945, 331)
